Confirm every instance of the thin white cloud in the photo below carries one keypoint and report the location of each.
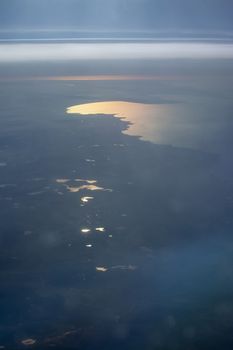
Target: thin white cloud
(98, 51)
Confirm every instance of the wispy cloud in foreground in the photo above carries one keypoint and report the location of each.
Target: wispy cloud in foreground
(111, 51)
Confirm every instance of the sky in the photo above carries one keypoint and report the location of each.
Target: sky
(175, 16)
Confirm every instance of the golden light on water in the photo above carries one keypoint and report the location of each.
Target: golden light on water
(62, 181)
(100, 77)
(108, 77)
(85, 230)
(145, 120)
(87, 181)
(86, 185)
(74, 189)
(118, 108)
(100, 229)
(86, 199)
(101, 269)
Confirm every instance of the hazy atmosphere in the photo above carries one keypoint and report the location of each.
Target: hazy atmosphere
(116, 190)
(117, 15)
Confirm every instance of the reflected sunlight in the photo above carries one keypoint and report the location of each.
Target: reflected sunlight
(145, 120)
(86, 199)
(100, 229)
(73, 189)
(85, 230)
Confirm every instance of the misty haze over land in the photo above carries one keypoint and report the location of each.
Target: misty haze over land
(116, 190)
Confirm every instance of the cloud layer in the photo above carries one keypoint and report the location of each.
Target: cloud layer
(114, 51)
